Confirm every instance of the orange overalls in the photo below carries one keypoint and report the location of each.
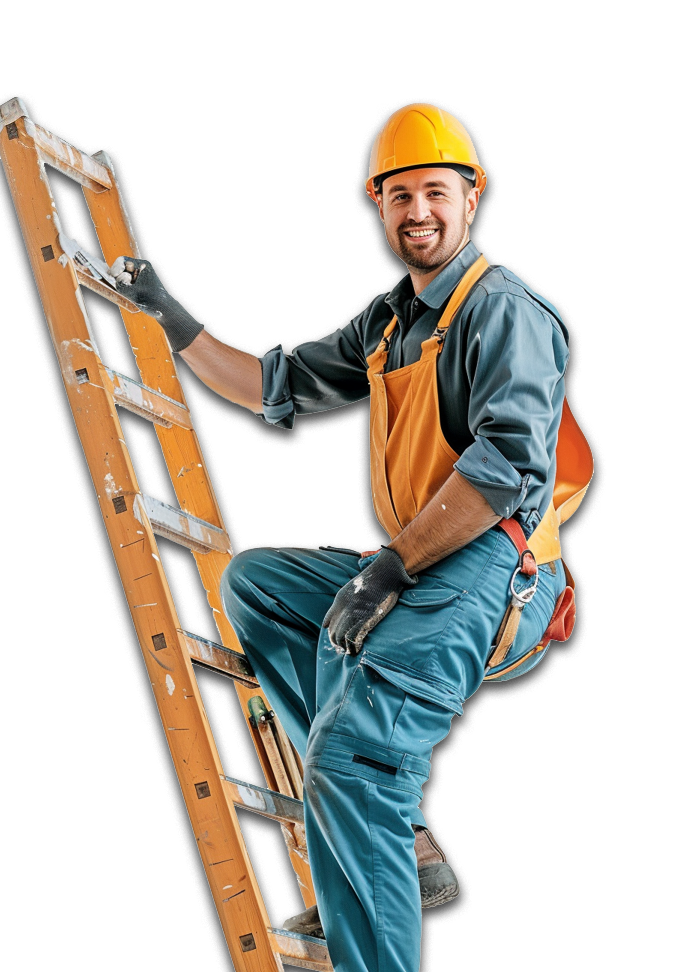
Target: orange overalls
(411, 460)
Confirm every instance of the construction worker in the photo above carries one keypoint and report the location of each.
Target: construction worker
(367, 658)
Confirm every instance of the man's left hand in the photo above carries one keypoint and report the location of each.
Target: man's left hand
(365, 600)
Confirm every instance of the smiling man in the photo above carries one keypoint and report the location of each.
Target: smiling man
(367, 658)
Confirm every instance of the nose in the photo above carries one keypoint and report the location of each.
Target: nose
(419, 209)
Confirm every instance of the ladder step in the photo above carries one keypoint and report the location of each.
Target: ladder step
(210, 655)
(151, 404)
(198, 535)
(86, 279)
(92, 272)
(301, 951)
(268, 803)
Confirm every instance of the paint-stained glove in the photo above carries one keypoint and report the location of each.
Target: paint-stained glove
(365, 600)
(137, 280)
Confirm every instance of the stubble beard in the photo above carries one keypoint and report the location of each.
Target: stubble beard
(448, 244)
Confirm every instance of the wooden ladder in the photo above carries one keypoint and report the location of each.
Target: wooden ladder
(132, 520)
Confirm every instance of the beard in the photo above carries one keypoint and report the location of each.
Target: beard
(430, 257)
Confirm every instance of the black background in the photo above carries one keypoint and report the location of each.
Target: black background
(251, 207)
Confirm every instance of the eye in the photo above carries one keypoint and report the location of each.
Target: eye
(436, 192)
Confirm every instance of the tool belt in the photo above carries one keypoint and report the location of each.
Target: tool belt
(561, 623)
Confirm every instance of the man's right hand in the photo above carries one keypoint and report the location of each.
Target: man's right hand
(137, 280)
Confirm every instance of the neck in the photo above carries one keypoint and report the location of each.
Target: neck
(422, 278)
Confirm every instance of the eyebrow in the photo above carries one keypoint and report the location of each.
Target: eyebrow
(436, 184)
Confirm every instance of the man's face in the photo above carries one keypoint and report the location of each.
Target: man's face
(427, 214)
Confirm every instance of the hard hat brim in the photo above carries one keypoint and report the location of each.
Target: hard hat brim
(477, 176)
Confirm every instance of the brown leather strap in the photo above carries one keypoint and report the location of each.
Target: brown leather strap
(512, 617)
(505, 635)
(514, 531)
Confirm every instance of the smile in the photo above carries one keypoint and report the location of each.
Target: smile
(422, 234)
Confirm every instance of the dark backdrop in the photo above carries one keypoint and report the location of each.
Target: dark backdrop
(263, 194)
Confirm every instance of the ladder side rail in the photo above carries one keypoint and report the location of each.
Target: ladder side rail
(183, 457)
(211, 810)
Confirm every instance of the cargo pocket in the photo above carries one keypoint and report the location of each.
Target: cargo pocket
(401, 646)
(354, 756)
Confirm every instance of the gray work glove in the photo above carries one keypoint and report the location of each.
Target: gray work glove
(137, 280)
(365, 600)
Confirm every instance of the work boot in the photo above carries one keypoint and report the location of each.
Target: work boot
(437, 884)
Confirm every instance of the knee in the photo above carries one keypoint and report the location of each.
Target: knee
(245, 571)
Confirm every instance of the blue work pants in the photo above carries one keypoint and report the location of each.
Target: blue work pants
(366, 725)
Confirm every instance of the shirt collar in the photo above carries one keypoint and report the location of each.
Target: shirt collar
(442, 286)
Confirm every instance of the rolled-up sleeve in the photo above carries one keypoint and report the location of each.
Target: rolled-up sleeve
(277, 404)
(516, 357)
(316, 376)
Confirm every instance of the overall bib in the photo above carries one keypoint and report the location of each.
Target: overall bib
(366, 725)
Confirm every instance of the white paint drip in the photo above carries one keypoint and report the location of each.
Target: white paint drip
(443, 507)
(169, 682)
(358, 583)
(154, 556)
(109, 485)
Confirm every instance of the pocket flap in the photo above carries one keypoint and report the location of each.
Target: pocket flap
(427, 596)
(415, 683)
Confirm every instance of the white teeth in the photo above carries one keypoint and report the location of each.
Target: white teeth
(424, 232)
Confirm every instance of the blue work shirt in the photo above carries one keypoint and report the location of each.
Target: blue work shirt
(500, 378)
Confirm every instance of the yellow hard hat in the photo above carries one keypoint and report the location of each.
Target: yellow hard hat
(419, 136)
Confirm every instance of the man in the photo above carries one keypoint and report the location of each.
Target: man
(366, 658)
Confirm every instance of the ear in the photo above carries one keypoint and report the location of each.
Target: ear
(379, 202)
(471, 205)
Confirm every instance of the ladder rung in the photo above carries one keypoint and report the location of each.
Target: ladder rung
(151, 404)
(301, 951)
(183, 528)
(208, 654)
(268, 803)
(87, 280)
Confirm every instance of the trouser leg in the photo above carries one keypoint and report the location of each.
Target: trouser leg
(369, 722)
(368, 757)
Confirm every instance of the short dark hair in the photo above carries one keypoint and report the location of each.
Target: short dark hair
(464, 170)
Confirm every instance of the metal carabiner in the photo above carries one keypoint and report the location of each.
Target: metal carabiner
(523, 597)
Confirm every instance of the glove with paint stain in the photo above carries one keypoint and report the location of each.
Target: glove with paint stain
(137, 280)
(365, 600)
